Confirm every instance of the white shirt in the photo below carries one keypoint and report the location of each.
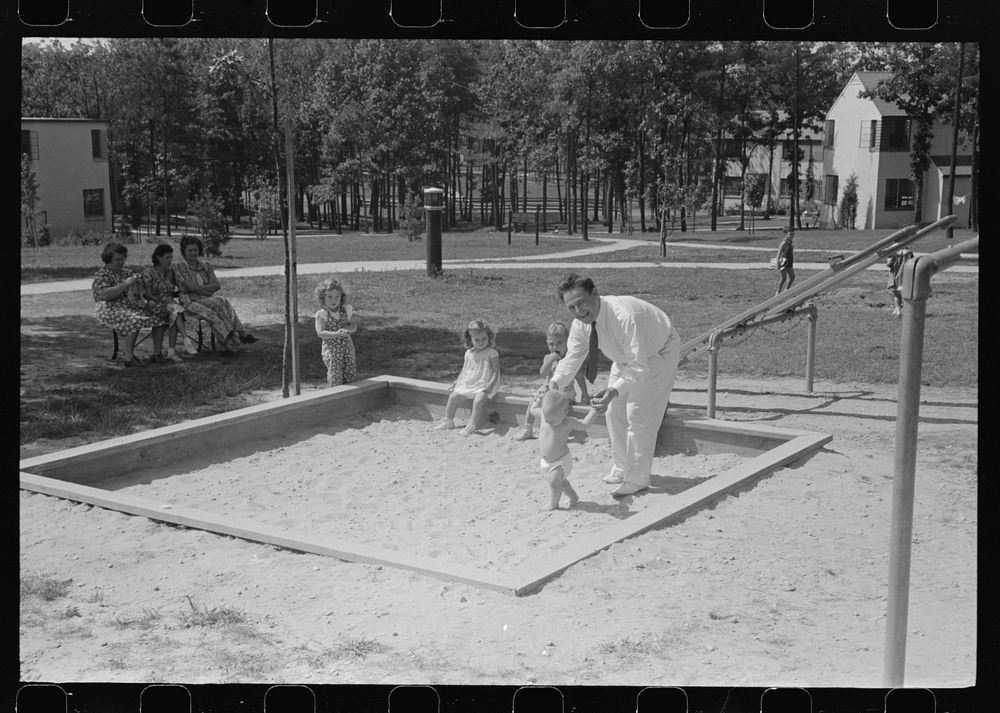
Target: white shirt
(629, 331)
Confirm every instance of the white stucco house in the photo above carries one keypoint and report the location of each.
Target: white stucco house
(70, 160)
(870, 139)
(772, 162)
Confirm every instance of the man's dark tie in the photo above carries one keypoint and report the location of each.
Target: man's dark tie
(592, 354)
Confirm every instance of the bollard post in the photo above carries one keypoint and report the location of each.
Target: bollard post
(537, 209)
(433, 210)
(510, 224)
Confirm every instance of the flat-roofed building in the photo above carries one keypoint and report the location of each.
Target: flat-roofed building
(70, 160)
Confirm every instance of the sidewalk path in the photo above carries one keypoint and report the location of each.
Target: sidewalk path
(602, 245)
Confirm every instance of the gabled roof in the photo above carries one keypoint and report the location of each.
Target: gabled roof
(870, 81)
(945, 161)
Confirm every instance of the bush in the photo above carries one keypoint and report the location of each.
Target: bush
(412, 223)
(207, 214)
(43, 236)
(849, 203)
(123, 230)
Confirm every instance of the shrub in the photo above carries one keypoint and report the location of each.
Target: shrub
(43, 236)
(412, 223)
(849, 203)
(209, 218)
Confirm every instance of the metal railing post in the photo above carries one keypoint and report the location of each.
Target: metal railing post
(811, 348)
(713, 371)
(916, 288)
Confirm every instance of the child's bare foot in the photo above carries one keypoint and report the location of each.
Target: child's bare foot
(573, 500)
(469, 430)
(444, 424)
(553, 506)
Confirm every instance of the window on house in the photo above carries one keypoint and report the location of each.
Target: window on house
(731, 148)
(895, 134)
(93, 203)
(828, 129)
(786, 185)
(96, 144)
(898, 194)
(29, 144)
(869, 134)
(731, 186)
(830, 188)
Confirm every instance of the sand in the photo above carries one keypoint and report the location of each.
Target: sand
(477, 500)
(782, 584)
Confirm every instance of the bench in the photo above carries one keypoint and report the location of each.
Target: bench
(524, 220)
(140, 340)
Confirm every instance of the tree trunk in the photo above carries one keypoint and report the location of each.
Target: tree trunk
(770, 174)
(641, 148)
(545, 198)
(166, 192)
(559, 199)
(974, 188)
(793, 218)
(525, 184)
(954, 135)
(920, 160)
(276, 150)
(597, 195)
(681, 172)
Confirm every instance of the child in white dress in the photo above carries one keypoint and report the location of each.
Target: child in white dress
(479, 380)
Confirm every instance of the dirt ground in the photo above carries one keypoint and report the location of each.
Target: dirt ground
(783, 584)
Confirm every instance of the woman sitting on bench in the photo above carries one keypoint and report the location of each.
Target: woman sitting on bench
(162, 288)
(119, 304)
(198, 295)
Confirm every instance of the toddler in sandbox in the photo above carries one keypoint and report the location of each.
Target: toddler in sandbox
(556, 337)
(553, 440)
(335, 323)
(479, 380)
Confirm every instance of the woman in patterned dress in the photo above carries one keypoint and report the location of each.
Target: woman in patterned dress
(120, 305)
(198, 287)
(335, 323)
(162, 288)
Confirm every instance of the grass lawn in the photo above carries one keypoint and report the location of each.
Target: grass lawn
(77, 262)
(411, 325)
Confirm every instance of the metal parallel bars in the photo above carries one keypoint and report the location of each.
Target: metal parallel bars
(812, 286)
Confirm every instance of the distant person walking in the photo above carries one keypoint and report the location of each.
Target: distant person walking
(785, 261)
(644, 348)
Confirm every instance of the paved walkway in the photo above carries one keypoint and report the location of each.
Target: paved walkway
(602, 245)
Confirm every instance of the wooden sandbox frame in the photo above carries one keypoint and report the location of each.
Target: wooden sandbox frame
(68, 474)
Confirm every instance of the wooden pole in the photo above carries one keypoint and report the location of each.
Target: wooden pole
(292, 282)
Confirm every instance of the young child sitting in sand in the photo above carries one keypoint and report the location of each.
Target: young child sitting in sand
(555, 338)
(479, 379)
(553, 437)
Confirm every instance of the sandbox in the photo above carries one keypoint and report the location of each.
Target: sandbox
(356, 473)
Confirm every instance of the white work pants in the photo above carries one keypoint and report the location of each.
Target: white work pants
(634, 418)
